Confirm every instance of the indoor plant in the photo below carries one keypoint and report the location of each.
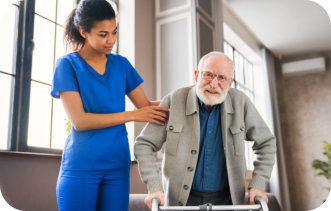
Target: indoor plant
(324, 167)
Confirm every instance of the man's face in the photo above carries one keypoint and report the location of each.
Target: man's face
(213, 90)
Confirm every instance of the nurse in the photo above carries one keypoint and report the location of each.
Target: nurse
(92, 83)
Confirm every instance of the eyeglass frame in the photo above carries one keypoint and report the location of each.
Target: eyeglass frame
(219, 77)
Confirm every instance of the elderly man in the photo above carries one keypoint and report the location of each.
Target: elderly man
(204, 158)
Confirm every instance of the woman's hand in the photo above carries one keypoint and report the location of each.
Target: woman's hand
(152, 114)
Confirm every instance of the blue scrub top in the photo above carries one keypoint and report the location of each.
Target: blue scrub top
(98, 149)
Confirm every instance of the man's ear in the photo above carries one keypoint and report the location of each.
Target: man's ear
(196, 75)
(232, 80)
(83, 33)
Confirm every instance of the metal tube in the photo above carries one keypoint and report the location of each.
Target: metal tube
(261, 205)
(215, 207)
(262, 202)
(155, 204)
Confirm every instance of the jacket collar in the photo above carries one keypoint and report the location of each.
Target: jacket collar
(227, 104)
(192, 103)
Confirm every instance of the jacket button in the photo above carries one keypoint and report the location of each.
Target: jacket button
(185, 187)
(180, 203)
(193, 152)
(190, 168)
(171, 127)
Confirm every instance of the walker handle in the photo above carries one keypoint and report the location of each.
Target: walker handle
(155, 204)
(262, 202)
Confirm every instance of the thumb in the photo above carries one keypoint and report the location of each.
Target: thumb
(251, 198)
(148, 202)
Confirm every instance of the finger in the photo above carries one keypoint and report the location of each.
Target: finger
(161, 108)
(162, 200)
(265, 198)
(160, 118)
(161, 114)
(251, 199)
(156, 122)
(148, 203)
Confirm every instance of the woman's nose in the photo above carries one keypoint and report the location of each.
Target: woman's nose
(111, 39)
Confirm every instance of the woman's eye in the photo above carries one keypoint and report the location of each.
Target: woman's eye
(103, 35)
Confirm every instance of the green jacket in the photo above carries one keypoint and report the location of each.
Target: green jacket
(181, 135)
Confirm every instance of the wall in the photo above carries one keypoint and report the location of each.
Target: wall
(145, 65)
(28, 181)
(145, 49)
(305, 116)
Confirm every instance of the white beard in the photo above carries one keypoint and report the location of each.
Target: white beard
(211, 100)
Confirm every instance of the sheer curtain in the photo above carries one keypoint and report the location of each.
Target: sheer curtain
(283, 192)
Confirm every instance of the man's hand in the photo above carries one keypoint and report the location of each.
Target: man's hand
(253, 192)
(149, 198)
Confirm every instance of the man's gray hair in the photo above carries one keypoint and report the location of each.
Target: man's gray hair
(202, 60)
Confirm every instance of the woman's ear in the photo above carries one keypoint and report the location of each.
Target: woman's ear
(83, 33)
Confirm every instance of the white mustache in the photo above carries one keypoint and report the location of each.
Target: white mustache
(209, 89)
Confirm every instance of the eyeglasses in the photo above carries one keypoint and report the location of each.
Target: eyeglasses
(209, 76)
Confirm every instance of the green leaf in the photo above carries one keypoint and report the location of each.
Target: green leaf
(68, 124)
(324, 167)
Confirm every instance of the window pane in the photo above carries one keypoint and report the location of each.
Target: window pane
(7, 22)
(43, 53)
(238, 59)
(59, 125)
(46, 8)
(40, 115)
(64, 7)
(5, 92)
(60, 50)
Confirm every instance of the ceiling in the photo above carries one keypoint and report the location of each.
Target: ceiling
(286, 27)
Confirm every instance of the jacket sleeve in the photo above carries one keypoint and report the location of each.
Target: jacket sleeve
(264, 146)
(147, 144)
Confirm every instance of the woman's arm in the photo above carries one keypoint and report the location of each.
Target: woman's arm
(139, 99)
(87, 121)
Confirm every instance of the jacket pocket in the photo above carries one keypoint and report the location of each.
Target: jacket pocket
(173, 134)
(238, 135)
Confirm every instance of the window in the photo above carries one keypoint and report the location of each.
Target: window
(47, 118)
(243, 81)
(31, 120)
(7, 73)
(243, 71)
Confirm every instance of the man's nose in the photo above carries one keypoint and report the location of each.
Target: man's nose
(214, 83)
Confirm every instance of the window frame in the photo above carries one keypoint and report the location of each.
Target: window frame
(22, 69)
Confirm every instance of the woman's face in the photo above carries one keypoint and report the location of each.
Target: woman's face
(102, 36)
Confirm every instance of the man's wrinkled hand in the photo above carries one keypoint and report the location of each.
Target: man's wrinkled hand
(149, 198)
(253, 192)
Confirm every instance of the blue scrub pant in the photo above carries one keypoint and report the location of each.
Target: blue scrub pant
(105, 190)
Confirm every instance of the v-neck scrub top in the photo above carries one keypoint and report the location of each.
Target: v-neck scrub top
(98, 149)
